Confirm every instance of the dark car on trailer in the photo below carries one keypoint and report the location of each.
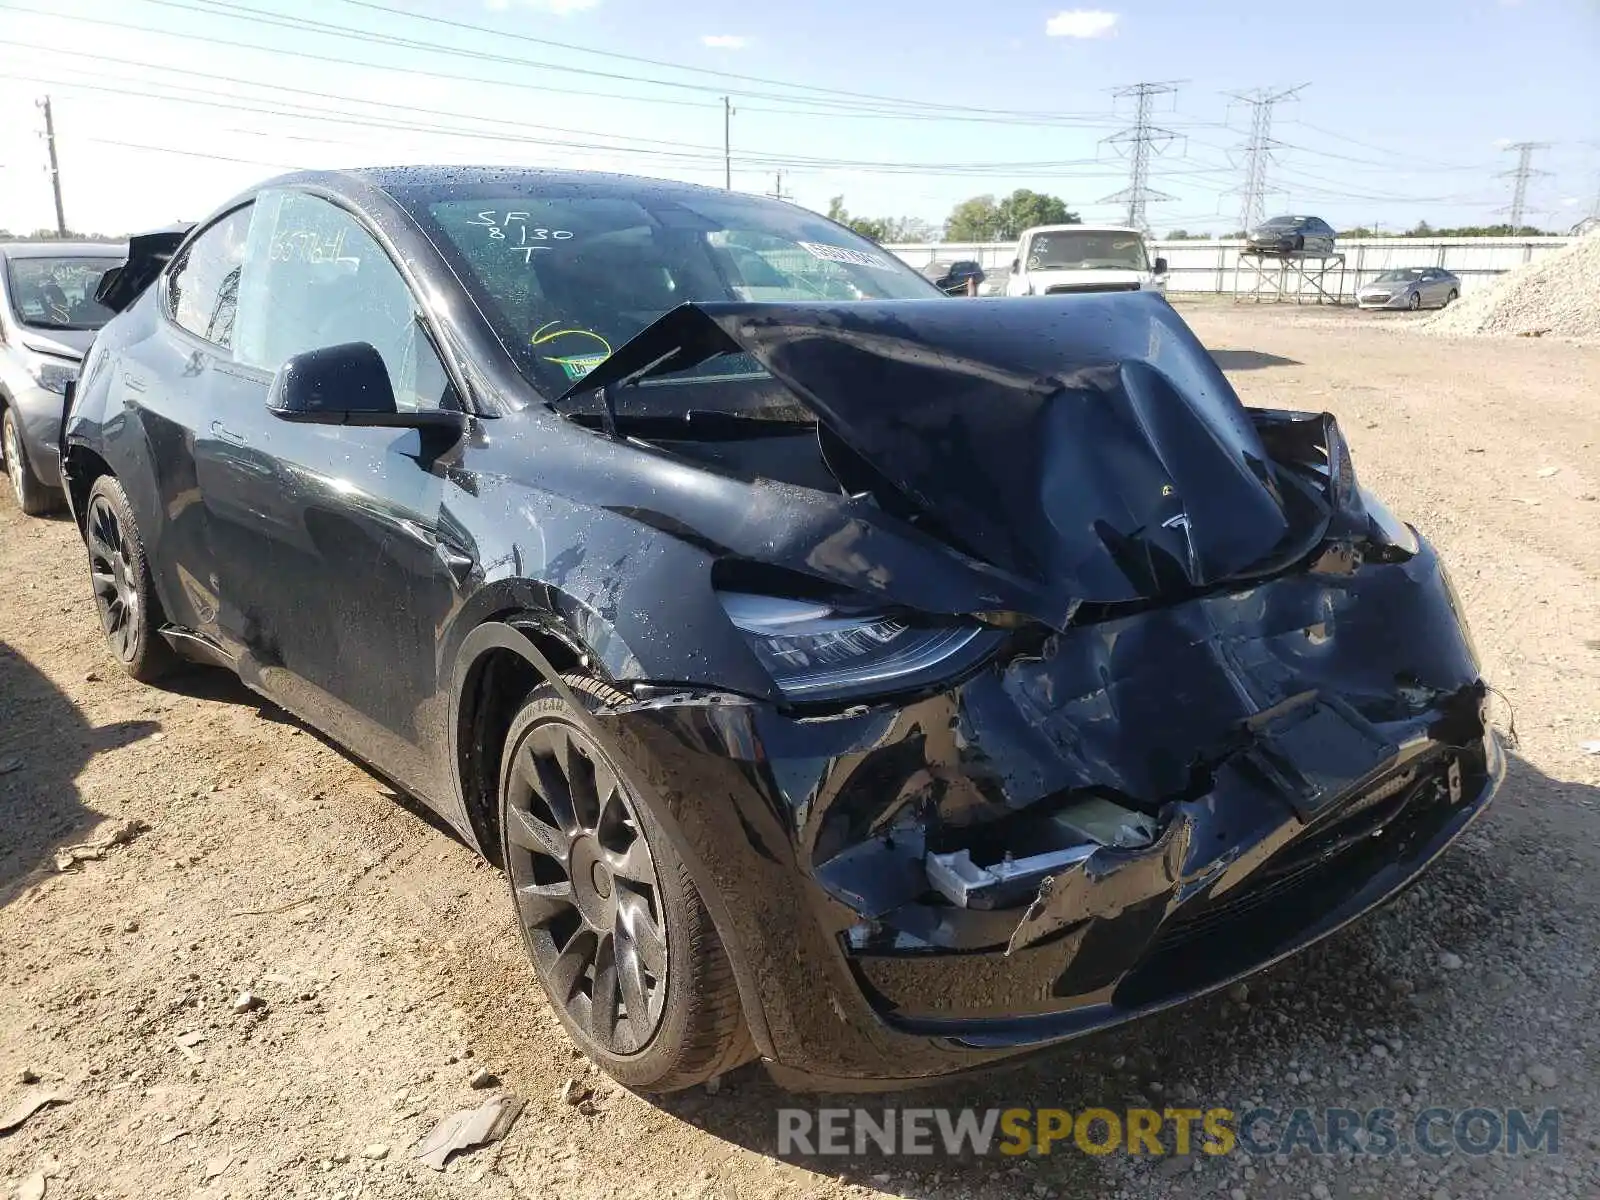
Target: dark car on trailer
(878, 683)
(1292, 235)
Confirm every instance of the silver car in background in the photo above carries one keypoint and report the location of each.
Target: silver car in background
(48, 317)
(1411, 287)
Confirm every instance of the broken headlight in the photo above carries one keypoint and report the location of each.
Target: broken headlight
(1388, 529)
(54, 377)
(814, 650)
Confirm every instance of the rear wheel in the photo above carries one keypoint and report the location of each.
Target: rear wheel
(32, 496)
(1451, 297)
(609, 915)
(119, 572)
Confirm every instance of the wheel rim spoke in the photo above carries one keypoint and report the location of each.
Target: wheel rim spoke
(542, 903)
(571, 963)
(632, 977)
(546, 774)
(640, 928)
(528, 832)
(606, 998)
(633, 863)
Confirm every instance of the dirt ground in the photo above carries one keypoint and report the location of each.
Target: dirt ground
(388, 969)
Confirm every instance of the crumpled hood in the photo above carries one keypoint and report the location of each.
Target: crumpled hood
(1086, 444)
(63, 343)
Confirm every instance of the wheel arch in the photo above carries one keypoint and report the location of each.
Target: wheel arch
(499, 663)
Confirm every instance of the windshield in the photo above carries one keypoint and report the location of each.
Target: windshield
(1085, 251)
(1400, 276)
(58, 293)
(568, 278)
(1283, 223)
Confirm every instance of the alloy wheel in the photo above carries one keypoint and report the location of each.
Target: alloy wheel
(13, 456)
(111, 571)
(586, 887)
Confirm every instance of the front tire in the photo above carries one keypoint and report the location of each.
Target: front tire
(32, 496)
(119, 572)
(1416, 301)
(617, 932)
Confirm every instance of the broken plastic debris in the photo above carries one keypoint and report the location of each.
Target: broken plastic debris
(29, 1105)
(470, 1127)
(119, 834)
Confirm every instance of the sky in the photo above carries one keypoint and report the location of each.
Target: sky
(1401, 110)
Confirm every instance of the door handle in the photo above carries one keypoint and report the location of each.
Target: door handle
(456, 560)
(218, 429)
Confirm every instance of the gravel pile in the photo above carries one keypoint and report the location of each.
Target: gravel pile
(1558, 294)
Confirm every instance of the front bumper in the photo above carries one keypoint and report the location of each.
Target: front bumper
(1307, 747)
(40, 413)
(1395, 300)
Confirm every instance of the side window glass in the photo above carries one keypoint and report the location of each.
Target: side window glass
(203, 281)
(318, 279)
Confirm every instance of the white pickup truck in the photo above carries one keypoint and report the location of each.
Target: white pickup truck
(1056, 259)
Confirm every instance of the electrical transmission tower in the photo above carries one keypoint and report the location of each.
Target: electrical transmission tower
(1520, 176)
(1139, 142)
(1258, 153)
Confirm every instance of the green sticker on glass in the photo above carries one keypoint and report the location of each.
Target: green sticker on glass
(577, 368)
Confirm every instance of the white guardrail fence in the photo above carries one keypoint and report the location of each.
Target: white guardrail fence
(1209, 266)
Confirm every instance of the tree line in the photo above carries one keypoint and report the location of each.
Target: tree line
(980, 219)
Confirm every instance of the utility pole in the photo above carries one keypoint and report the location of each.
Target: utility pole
(777, 192)
(727, 144)
(55, 171)
(1519, 176)
(1258, 152)
(1138, 142)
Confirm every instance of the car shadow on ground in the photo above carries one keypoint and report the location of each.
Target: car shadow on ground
(218, 685)
(45, 741)
(1380, 973)
(1250, 360)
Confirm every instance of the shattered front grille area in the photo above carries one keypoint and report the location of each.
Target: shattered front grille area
(1313, 876)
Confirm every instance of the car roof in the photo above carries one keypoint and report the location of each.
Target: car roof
(1081, 229)
(408, 184)
(51, 249)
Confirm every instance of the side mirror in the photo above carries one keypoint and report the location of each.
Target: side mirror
(345, 385)
(1016, 266)
(1161, 266)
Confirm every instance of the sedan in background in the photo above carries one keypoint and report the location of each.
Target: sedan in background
(873, 684)
(1311, 236)
(48, 317)
(963, 277)
(1411, 287)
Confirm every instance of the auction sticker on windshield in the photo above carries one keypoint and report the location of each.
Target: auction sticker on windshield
(843, 254)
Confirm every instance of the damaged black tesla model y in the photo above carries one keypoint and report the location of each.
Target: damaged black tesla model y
(874, 682)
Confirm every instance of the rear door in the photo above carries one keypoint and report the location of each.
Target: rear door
(164, 383)
(324, 537)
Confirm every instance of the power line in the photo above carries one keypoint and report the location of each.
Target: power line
(1258, 151)
(1520, 175)
(1138, 142)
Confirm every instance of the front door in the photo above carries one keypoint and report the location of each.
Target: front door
(323, 537)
